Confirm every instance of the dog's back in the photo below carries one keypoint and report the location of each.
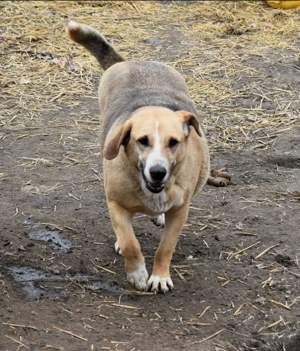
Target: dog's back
(128, 85)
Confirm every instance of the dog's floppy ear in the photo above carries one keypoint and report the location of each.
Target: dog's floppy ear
(113, 142)
(189, 120)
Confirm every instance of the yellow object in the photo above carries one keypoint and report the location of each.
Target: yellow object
(284, 4)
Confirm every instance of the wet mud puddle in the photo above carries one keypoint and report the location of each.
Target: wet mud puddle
(37, 284)
(53, 237)
(43, 232)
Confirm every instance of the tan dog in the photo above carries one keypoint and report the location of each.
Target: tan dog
(155, 153)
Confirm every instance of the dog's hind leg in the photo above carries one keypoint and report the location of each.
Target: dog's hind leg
(219, 177)
(160, 279)
(128, 245)
(159, 220)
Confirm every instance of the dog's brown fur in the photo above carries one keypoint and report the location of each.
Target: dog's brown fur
(146, 100)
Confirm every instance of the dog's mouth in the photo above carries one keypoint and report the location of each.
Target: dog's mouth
(153, 187)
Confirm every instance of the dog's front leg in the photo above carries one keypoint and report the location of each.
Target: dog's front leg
(160, 278)
(129, 246)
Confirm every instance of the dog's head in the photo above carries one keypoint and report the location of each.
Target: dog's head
(155, 140)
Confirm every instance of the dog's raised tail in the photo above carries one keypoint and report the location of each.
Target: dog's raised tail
(95, 43)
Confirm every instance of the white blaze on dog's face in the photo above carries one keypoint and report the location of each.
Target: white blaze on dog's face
(155, 164)
(155, 142)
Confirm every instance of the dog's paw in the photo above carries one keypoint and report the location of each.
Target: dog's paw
(139, 277)
(219, 177)
(117, 248)
(159, 220)
(159, 284)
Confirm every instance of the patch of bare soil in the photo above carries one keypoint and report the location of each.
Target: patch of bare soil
(236, 268)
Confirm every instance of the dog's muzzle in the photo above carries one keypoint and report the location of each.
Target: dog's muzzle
(157, 173)
(155, 187)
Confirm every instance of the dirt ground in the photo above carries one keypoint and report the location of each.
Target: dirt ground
(236, 268)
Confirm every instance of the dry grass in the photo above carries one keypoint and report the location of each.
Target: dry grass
(219, 50)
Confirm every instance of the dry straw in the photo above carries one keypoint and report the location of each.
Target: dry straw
(224, 50)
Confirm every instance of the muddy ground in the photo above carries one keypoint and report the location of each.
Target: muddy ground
(236, 269)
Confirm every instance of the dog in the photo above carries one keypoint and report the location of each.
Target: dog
(155, 154)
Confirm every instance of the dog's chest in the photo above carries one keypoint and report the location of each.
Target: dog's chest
(157, 203)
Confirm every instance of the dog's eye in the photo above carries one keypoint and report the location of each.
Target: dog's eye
(143, 141)
(173, 142)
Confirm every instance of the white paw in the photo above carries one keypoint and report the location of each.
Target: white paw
(157, 283)
(139, 277)
(117, 248)
(159, 220)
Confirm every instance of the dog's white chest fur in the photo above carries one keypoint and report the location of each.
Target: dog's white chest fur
(157, 203)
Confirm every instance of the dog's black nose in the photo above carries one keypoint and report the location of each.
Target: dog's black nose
(157, 173)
